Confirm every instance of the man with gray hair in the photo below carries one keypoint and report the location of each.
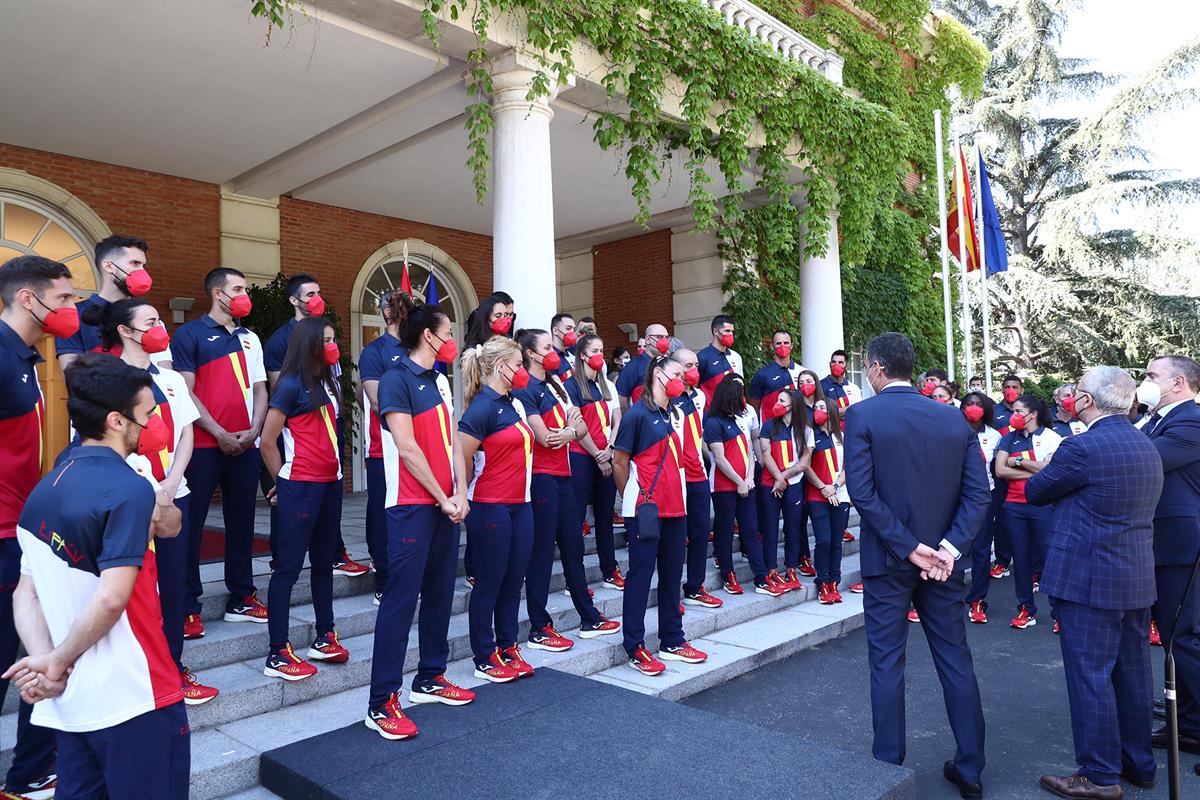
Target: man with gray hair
(1065, 422)
(1104, 486)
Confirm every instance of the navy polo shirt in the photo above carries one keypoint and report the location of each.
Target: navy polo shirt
(87, 338)
(424, 395)
(649, 438)
(633, 376)
(565, 369)
(504, 461)
(21, 416)
(766, 386)
(226, 365)
(277, 345)
(380, 355)
(713, 365)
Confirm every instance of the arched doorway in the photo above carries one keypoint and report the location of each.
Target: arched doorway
(383, 272)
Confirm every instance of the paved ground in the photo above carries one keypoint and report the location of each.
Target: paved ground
(823, 694)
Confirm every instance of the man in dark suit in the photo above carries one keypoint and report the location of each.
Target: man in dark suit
(1104, 484)
(915, 473)
(1174, 428)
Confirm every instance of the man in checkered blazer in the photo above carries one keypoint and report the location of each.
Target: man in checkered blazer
(1104, 485)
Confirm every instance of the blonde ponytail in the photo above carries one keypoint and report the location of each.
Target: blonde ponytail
(480, 361)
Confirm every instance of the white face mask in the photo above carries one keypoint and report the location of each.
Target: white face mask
(1149, 394)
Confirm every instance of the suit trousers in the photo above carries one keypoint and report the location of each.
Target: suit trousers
(1170, 581)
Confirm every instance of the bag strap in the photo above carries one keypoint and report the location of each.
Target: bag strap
(647, 495)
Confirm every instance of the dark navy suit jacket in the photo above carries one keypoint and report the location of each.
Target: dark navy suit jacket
(916, 475)
(1104, 484)
(1177, 518)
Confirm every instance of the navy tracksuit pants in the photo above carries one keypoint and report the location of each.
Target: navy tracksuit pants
(423, 560)
(699, 525)
(795, 523)
(306, 522)
(148, 757)
(727, 506)
(238, 478)
(556, 519)
(33, 756)
(829, 523)
(981, 551)
(667, 553)
(592, 488)
(376, 521)
(171, 557)
(1029, 527)
(1001, 538)
(501, 536)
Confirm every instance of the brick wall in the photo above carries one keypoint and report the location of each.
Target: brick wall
(632, 283)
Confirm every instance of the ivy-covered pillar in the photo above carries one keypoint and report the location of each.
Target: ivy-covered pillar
(821, 303)
(523, 262)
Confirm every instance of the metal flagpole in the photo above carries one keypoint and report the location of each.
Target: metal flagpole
(941, 187)
(960, 196)
(983, 286)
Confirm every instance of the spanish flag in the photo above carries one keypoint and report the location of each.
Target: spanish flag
(960, 191)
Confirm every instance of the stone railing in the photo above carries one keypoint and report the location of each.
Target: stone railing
(779, 36)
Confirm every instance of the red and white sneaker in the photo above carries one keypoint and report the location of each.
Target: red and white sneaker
(329, 648)
(1024, 619)
(768, 588)
(345, 565)
(587, 529)
(856, 588)
(549, 639)
(847, 536)
(441, 690)
(287, 665)
(702, 598)
(193, 627)
(495, 670)
(512, 657)
(195, 693)
(1056, 629)
(837, 594)
(731, 584)
(249, 610)
(1000, 570)
(806, 567)
(913, 616)
(643, 662)
(792, 579)
(469, 581)
(977, 614)
(1155, 638)
(40, 789)
(684, 652)
(602, 628)
(389, 721)
(825, 594)
(616, 580)
(775, 578)
(1037, 582)
(618, 520)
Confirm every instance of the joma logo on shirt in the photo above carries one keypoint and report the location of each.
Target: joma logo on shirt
(59, 545)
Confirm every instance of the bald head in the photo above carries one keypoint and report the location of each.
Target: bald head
(656, 330)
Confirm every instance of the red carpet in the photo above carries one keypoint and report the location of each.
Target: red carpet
(212, 546)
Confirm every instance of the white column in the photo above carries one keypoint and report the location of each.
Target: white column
(821, 304)
(522, 195)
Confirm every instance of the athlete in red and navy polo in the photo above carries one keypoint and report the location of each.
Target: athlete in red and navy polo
(122, 264)
(785, 445)
(1011, 388)
(424, 504)
(381, 354)
(633, 375)
(732, 483)
(556, 518)
(89, 603)
(718, 359)
(37, 300)
(222, 363)
(307, 495)
(1066, 424)
(779, 375)
(497, 450)
(648, 467)
(562, 328)
(827, 499)
(837, 387)
(591, 454)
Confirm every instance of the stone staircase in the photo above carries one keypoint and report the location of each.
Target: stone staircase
(255, 713)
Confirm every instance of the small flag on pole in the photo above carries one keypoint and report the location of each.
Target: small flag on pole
(405, 282)
(995, 253)
(431, 297)
(960, 192)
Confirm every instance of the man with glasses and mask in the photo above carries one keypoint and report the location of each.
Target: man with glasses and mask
(122, 264)
(629, 382)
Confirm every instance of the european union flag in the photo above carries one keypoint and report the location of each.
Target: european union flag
(993, 236)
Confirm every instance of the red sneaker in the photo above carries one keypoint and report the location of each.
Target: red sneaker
(469, 580)
(847, 536)
(643, 662)
(495, 669)
(1037, 581)
(1056, 627)
(512, 657)
(684, 652)
(1024, 619)
(1155, 638)
(806, 567)
(792, 578)
(440, 690)
(389, 721)
(328, 648)
(977, 614)
(287, 665)
(856, 588)
(618, 520)
(824, 595)
(768, 588)
(587, 529)
(601, 628)
(193, 627)
(913, 616)
(249, 610)
(773, 577)
(731, 584)
(549, 639)
(703, 598)
(616, 580)
(837, 594)
(194, 692)
(1000, 570)
(345, 565)
(711, 536)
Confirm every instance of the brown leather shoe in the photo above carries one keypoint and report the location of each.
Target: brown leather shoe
(1077, 786)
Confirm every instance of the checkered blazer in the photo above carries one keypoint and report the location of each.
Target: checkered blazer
(1104, 485)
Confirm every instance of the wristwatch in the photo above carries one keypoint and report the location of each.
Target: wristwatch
(1020, 460)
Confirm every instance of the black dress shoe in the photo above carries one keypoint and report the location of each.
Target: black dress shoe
(968, 791)
(1160, 714)
(1187, 744)
(1078, 787)
(1141, 783)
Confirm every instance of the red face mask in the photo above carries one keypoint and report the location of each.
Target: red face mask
(332, 354)
(240, 306)
(1011, 395)
(138, 282)
(448, 350)
(808, 389)
(1017, 422)
(154, 438)
(928, 387)
(520, 378)
(837, 370)
(155, 340)
(973, 413)
(674, 387)
(501, 325)
(692, 377)
(780, 409)
(315, 306)
(1068, 404)
(641, 351)
(820, 416)
(663, 345)
(551, 362)
(570, 338)
(60, 322)
(782, 350)
(942, 400)
(596, 361)
(726, 340)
